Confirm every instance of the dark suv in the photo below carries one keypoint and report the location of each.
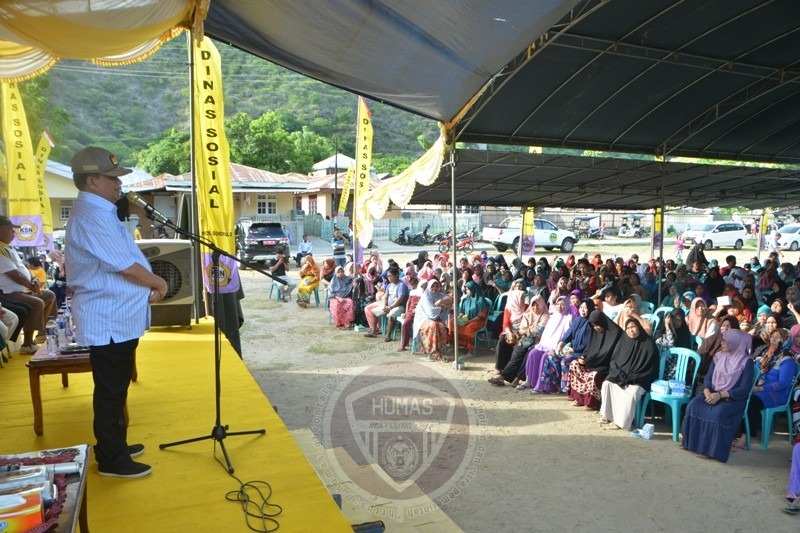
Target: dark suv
(261, 240)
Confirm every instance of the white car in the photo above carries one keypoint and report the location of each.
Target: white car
(718, 234)
(790, 237)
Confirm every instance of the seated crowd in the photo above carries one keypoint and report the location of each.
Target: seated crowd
(595, 330)
(26, 298)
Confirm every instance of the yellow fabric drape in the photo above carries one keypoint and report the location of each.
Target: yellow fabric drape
(33, 36)
(399, 189)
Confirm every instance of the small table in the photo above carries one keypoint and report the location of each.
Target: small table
(74, 512)
(43, 363)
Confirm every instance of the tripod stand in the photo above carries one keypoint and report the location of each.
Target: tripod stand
(219, 432)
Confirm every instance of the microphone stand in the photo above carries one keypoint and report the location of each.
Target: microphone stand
(219, 432)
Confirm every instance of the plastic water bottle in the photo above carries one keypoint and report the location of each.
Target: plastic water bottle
(52, 336)
(61, 329)
(68, 320)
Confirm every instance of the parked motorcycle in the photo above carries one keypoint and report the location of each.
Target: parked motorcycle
(436, 238)
(595, 234)
(403, 237)
(464, 242)
(420, 238)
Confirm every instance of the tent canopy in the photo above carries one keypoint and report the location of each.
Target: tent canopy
(715, 79)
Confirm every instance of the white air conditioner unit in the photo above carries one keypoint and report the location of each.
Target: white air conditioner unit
(171, 259)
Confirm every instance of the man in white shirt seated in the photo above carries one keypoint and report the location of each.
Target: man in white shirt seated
(18, 285)
(303, 249)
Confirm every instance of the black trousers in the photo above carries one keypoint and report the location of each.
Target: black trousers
(515, 368)
(112, 368)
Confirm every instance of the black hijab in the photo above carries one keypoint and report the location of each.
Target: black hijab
(635, 361)
(697, 254)
(602, 344)
(683, 337)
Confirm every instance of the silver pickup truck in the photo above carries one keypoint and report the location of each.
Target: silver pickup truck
(546, 234)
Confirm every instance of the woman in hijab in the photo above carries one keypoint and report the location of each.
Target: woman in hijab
(674, 332)
(422, 258)
(340, 300)
(780, 307)
(587, 373)
(428, 321)
(309, 280)
(575, 298)
(686, 301)
(633, 367)
(700, 320)
(697, 254)
(531, 326)
(673, 297)
(712, 417)
(778, 371)
(539, 288)
(417, 289)
(426, 272)
(562, 289)
(556, 327)
(512, 315)
(327, 270)
(554, 376)
(750, 302)
(472, 314)
(552, 281)
(794, 351)
(715, 283)
(630, 309)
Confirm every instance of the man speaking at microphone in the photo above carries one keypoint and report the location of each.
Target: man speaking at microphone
(113, 286)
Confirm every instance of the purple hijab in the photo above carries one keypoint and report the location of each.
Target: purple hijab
(728, 365)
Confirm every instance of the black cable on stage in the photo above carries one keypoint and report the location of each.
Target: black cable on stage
(254, 497)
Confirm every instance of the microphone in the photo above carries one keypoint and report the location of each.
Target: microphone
(152, 212)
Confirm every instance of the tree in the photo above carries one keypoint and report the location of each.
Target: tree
(170, 153)
(43, 114)
(393, 164)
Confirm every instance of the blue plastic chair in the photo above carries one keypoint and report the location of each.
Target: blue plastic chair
(650, 306)
(675, 403)
(698, 341)
(757, 375)
(662, 311)
(768, 416)
(654, 322)
(498, 307)
(277, 288)
(484, 329)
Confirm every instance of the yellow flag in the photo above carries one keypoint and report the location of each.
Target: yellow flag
(24, 205)
(763, 230)
(363, 156)
(348, 184)
(657, 243)
(42, 154)
(528, 239)
(214, 191)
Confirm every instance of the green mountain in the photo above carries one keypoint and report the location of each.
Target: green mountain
(127, 108)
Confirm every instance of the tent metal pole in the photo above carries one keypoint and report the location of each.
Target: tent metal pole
(456, 296)
(663, 234)
(194, 224)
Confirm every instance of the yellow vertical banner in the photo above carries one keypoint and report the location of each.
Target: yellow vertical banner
(657, 243)
(362, 225)
(41, 156)
(214, 191)
(24, 205)
(348, 184)
(528, 239)
(763, 230)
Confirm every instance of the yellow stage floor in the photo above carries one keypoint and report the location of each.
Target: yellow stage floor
(174, 400)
